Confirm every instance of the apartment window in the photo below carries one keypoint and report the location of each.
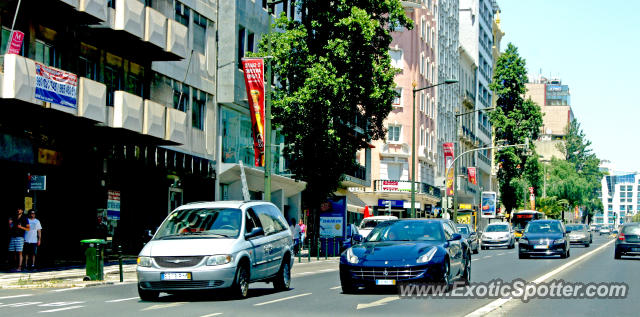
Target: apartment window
(422, 101)
(394, 133)
(198, 109)
(251, 42)
(241, 36)
(422, 64)
(397, 100)
(180, 96)
(610, 207)
(422, 136)
(199, 32)
(423, 28)
(182, 13)
(46, 54)
(396, 58)
(113, 81)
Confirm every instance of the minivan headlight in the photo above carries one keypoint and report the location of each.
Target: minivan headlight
(427, 256)
(144, 261)
(351, 258)
(558, 241)
(218, 259)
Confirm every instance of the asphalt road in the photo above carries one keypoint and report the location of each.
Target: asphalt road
(316, 292)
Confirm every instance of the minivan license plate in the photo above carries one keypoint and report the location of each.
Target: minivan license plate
(175, 276)
(385, 282)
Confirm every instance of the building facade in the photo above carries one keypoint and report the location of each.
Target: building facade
(414, 52)
(620, 198)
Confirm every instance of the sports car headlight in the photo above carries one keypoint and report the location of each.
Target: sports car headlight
(351, 258)
(218, 259)
(524, 241)
(427, 256)
(144, 261)
(558, 241)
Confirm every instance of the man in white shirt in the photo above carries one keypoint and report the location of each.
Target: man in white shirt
(296, 232)
(32, 239)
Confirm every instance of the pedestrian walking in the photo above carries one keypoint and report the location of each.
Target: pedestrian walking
(32, 240)
(295, 231)
(18, 225)
(303, 233)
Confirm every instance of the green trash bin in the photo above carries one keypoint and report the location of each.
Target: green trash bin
(94, 255)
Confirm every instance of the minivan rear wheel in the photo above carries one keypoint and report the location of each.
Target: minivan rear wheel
(282, 281)
(240, 286)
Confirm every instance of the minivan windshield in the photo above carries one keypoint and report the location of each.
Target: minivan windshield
(201, 223)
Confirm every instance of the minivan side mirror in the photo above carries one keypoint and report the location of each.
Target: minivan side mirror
(258, 231)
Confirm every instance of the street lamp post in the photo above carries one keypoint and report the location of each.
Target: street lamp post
(413, 139)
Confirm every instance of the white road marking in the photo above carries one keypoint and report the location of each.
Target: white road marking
(327, 270)
(60, 309)
(20, 304)
(58, 304)
(120, 300)
(488, 256)
(499, 302)
(282, 299)
(67, 289)
(15, 296)
(336, 287)
(474, 260)
(380, 302)
(211, 315)
(161, 306)
(500, 253)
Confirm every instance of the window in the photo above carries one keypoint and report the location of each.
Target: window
(182, 13)
(250, 42)
(241, 35)
(422, 101)
(396, 58)
(397, 100)
(423, 28)
(198, 109)
(251, 221)
(46, 54)
(422, 64)
(180, 96)
(394, 133)
(113, 81)
(422, 135)
(199, 33)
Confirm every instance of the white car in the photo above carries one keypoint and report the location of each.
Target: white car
(498, 234)
(369, 223)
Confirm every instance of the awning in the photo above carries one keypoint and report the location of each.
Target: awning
(230, 173)
(355, 204)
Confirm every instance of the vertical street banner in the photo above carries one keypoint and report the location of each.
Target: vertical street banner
(448, 163)
(471, 171)
(56, 86)
(254, 82)
(15, 43)
(113, 204)
(488, 204)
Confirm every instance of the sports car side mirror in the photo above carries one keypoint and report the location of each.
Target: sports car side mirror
(357, 238)
(456, 236)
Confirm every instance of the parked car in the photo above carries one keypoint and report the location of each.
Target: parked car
(352, 238)
(544, 237)
(579, 234)
(467, 232)
(214, 245)
(407, 250)
(498, 234)
(628, 241)
(369, 223)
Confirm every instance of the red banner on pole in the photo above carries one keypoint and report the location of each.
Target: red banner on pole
(254, 82)
(448, 163)
(16, 42)
(471, 171)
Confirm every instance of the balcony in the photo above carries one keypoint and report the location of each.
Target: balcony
(154, 119)
(356, 177)
(412, 4)
(57, 12)
(127, 111)
(92, 100)
(131, 29)
(176, 126)
(94, 8)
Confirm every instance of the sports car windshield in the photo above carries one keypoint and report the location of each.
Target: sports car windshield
(406, 231)
(201, 223)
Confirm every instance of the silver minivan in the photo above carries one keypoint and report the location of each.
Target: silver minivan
(214, 245)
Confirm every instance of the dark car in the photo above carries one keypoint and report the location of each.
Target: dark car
(628, 241)
(405, 251)
(353, 237)
(467, 232)
(544, 237)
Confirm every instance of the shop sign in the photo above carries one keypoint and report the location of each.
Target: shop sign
(394, 203)
(56, 86)
(16, 42)
(37, 182)
(113, 204)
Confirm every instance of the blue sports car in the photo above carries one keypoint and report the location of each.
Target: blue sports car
(407, 251)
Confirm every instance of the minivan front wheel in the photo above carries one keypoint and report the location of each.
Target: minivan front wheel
(282, 281)
(240, 286)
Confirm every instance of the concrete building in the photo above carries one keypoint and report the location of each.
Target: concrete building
(414, 52)
(554, 100)
(495, 51)
(477, 40)
(620, 198)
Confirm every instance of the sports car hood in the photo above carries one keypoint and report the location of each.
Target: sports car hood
(393, 250)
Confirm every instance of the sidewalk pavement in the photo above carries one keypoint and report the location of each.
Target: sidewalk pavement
(73, 277)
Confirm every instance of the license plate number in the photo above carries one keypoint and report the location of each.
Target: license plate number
(540, 246)
(175, 276)
(385, 282)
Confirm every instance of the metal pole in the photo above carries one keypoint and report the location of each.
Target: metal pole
(413, 153)
(120, 263)
(267, 117)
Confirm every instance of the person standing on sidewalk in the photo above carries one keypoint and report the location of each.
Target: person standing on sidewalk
(303, 233)
(18, 225)
(32, 240)
(295, 231)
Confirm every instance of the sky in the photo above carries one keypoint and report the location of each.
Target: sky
(594, 47)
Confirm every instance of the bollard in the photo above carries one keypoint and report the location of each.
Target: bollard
(309, 253)
(120, 263)
(318, 253)
(326, 248)
(332, 250)
(338, 247)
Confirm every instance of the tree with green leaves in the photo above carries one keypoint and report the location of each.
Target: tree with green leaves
(334, 75)
(515, 121)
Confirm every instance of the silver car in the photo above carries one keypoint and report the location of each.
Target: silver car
(579, 234)
(213, 245)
